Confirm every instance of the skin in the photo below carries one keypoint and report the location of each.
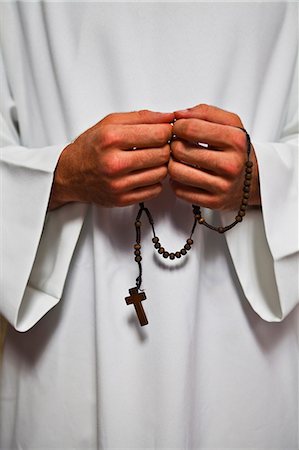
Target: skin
(211, 176)
(101, 167)
(114, 174)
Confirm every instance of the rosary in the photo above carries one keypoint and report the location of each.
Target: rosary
(136, 294)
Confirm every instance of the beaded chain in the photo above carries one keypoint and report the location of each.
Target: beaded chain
(137, 297)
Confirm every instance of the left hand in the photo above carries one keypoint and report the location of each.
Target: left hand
(211, 176)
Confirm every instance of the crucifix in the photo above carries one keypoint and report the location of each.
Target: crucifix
(135, 299)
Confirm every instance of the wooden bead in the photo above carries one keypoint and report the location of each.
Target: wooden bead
(157, 245)
(165, 255)
(178, 254)
(155, 239)
(183, 251)
(243, 207)
(246, 189)
(245, 202)
(161, 250)
(241, 213)
(248, 170)
(137, 246)
(220, 230)
(197, 216)
(239, 218)
(248, 176)
(246, 195)
(138, 223)
(190, 241)
(172, 256)
(247, 183)
(137, 252)
(201, 220)
(138, 258)
(187, 246)
(249, 163)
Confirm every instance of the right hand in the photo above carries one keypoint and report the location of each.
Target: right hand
(101, 167)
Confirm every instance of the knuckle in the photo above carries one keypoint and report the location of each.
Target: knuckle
(231, 168)
(162, 173)
(172, 170)
(191, 128)
(161, 135)
(112, 166)
(120, 202)
(165, 154)
(114, 187)
(143, 112)
(109, 118)
(236, 121)
(239, 141)
(177, 149)
(204, 110)
(216, 203)
(224, 187)
(109, 137)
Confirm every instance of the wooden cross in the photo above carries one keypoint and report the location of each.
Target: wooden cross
(135, 299)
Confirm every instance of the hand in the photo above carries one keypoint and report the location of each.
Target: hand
(210, 175)
(101, 166)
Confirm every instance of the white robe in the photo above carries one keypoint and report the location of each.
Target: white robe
(217, 366)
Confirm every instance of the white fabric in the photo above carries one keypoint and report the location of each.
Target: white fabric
(207, 372)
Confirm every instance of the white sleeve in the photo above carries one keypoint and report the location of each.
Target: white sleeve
(265, 246)
(36, 247)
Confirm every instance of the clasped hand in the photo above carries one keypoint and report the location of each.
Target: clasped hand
(124, 158)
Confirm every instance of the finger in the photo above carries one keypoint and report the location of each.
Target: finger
(117, 163)
(210, 114)
(211, 160)
(195, 196)
(138, 179)
(139, 117)
(127, 137)
(139, 195)
(214, 134)
(146, 158)
(191, 176)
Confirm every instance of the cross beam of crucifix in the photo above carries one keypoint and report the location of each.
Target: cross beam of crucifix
(135, 299)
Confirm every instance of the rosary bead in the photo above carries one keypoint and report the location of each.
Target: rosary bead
(249, 163)
(165, 255)
(241, 213)
(220, 230)
(137, 246)
(245, 195)
(246, 189)
(183, 251)
(243, 207)
(245, 202)
(178, 254)
(190, 241)
(248, 176)
(201, 220)
(138, 258)
(138, 223)
(137, 252)
(187, 246)
(248, 170)
(197, 216)
(172, 256)
(157, 245)
(161, 250)
(247, 183)
(239, 218)
(155, 239)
